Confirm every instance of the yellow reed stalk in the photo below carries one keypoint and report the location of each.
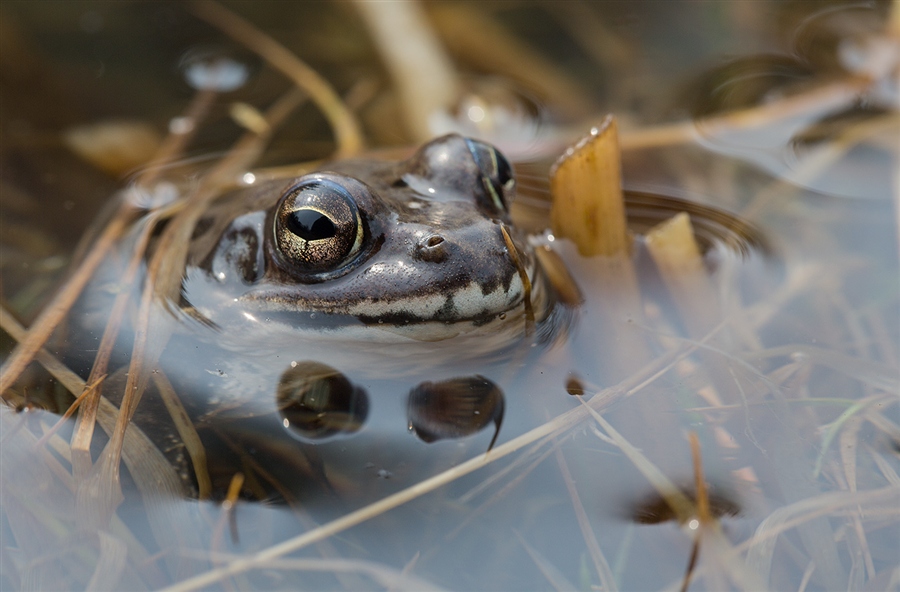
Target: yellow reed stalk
(586, 184)
(674, 249)
(423, 74)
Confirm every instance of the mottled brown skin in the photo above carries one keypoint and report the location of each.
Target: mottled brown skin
(431, 229)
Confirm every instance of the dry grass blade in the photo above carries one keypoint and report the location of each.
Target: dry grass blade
(761, 546)
(110, 565)
(590, 538)
(521, 471)
(57, 309)
(680, 504)
(703, 513)
(840, 423)
(822, 100)
(389, 578)
(229, 508)
(346, 129)
(154, 476)
(872, 503)
(73, 383)
(554, 577)
(155, 321)
(91, 389)
(84, 430)
(186, 431)
(866, 371)
(723, 552)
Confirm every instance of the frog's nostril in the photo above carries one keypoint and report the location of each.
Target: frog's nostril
(432, 248)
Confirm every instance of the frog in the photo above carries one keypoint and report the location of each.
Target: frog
(368, 298)
(370, 250)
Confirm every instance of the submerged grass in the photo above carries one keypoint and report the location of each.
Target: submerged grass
(765, 393)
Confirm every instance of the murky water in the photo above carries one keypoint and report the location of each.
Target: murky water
(367, 465)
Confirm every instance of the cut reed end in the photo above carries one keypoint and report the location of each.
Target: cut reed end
(586, 185)
(674, 248)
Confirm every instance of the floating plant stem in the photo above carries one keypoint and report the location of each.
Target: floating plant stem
(346, 128)
(186, 431)
(92, 388)
(554, 576)
(84, 429)
(674, 249)
(821, 99)
(589, 209)
(590, 538)
(586, 185)
(229, 507)
(703, 510)
(680, 504)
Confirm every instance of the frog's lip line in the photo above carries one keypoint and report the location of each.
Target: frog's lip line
(465, 304)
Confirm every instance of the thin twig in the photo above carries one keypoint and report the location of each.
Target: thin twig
(346, 129)
(590, 538)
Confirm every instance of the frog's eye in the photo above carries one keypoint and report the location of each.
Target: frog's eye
(318, 226)
(496, 173)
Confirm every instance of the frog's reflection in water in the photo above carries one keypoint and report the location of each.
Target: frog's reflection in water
(326, 417)
(316, 401)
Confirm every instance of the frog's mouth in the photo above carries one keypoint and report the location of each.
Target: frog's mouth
(471, 304)
(512, 306)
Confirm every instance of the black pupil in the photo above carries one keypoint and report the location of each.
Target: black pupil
(504, 171)
(311, 225)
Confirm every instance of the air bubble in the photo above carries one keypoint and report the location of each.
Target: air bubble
(213, 69)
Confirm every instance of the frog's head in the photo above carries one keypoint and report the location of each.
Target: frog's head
(415, 247)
